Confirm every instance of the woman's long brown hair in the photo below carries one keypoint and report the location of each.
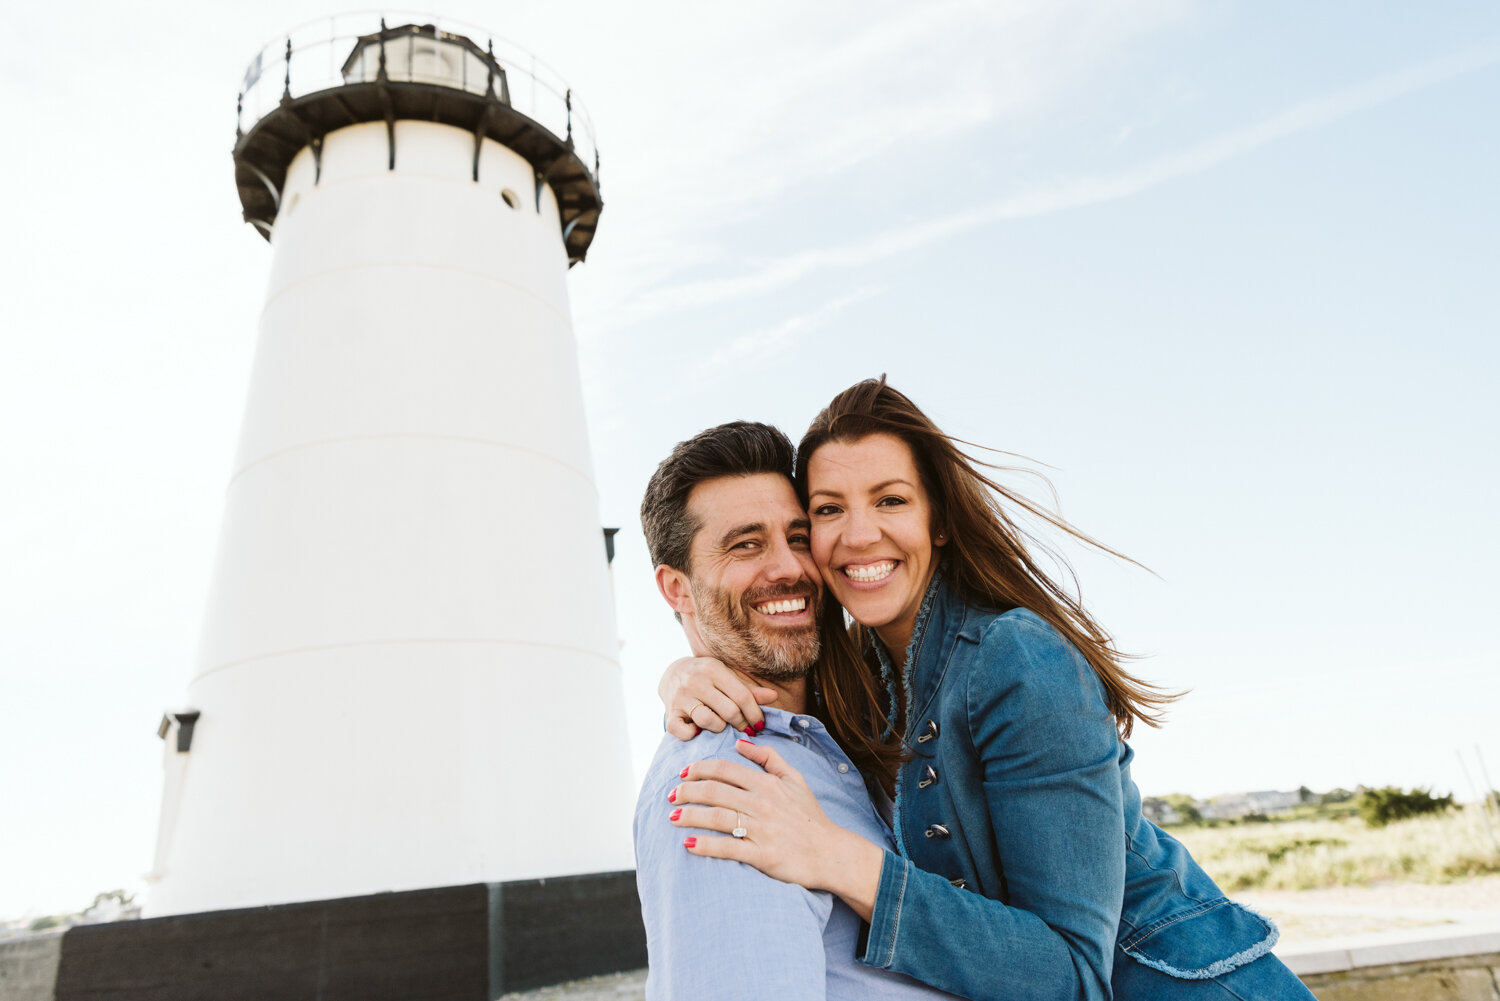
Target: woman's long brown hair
(988, 562)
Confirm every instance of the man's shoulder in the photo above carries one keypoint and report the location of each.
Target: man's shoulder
(673, 755)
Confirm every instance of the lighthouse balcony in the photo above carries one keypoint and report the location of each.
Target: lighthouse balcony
(398, 66)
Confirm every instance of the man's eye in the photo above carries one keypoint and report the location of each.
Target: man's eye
(747, 544)
(799, 541)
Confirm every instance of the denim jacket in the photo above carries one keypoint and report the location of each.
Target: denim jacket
(1024, 859)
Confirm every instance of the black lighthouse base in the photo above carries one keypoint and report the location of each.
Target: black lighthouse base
(458, 943)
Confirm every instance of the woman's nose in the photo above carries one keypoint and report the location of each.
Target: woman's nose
(860, 530)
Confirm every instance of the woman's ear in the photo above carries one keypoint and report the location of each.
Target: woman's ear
(941, 538)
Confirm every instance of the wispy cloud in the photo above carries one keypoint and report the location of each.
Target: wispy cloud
(730, 136)
(1066, 194)
(761, 344)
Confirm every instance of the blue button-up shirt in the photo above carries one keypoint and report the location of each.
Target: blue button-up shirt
(716, 928)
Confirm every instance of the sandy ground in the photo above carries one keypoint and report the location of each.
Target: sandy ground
(1350, 910)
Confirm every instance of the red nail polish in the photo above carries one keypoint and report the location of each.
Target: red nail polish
(675, 814)
(760, 726)
(742, 740)
(672, 796)
(689, 842)
(697, 730)
(683, 774)
(749, 731)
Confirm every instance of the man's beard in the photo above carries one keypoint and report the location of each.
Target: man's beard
(728, 625)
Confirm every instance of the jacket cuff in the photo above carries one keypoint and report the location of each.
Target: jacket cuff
(885, 920)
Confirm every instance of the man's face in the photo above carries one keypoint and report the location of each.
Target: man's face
(755, 589)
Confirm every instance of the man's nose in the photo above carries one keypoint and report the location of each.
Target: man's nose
(784, 564)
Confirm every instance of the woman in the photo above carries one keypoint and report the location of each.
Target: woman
(988, 710)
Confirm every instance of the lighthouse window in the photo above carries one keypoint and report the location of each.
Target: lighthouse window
(510, 198)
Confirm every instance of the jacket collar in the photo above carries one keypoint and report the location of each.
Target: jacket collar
(942, 619)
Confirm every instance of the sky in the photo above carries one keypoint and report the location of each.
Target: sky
(1225, 271)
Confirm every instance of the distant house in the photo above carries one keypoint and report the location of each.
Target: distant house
(1160, 812)
(1273, 802)
(1233, 806)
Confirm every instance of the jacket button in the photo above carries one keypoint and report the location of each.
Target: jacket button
(931, 732)
(959, 882)
(929, 777)
(937, 831)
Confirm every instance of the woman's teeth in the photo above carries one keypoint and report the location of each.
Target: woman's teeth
(782, 607)
(871, 571)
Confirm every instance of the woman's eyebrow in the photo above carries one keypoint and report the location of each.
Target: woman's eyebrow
(888, 483)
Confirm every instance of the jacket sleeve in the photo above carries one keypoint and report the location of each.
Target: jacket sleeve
(1048, 751)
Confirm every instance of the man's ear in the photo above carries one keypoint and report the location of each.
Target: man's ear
(673, 585)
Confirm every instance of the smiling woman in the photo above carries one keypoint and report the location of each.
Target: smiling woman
(875, 535)
(989, 710)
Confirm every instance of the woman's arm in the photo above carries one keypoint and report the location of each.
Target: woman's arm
(1048, 752)
(700, 693)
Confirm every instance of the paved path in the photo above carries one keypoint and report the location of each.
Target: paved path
(1307, 915)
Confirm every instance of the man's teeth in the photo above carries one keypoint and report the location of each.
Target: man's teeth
(871, 571)
(780, 607)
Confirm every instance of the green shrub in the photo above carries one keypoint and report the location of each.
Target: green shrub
(1378, 807)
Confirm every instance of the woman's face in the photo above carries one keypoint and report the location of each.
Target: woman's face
(872, 532)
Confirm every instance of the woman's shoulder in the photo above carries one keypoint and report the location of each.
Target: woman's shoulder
(1020, 649)
(1018, 632)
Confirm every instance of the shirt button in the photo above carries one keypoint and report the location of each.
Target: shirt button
(796, 739)
(804, 723)
(937, 831)
(843, 768)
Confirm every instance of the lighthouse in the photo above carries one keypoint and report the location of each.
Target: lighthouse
(408, 676)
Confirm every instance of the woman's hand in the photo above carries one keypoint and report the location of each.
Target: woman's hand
(787, 834)
(700, 694)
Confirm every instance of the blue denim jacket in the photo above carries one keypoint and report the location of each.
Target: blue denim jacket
(1026, 858)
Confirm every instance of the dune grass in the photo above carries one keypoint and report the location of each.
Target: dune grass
(1304, 854)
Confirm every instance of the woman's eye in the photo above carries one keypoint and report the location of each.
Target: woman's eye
(890, 501)
(825, 510)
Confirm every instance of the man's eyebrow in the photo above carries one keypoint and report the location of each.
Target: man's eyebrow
(739, 531)
(800, 523)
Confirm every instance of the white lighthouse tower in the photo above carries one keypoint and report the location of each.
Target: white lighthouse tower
(408, 675)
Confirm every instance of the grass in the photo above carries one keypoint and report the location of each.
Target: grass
(1307, 851)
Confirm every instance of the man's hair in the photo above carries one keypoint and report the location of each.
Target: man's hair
(739, 448)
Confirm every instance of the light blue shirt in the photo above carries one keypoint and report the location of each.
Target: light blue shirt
(716, 928)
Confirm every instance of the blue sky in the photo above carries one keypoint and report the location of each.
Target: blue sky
(1228, 268)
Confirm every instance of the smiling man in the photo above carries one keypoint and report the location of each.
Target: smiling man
(731, 547)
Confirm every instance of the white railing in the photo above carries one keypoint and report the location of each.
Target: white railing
(311, 57)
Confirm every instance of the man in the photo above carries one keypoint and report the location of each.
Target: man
(730, 545)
